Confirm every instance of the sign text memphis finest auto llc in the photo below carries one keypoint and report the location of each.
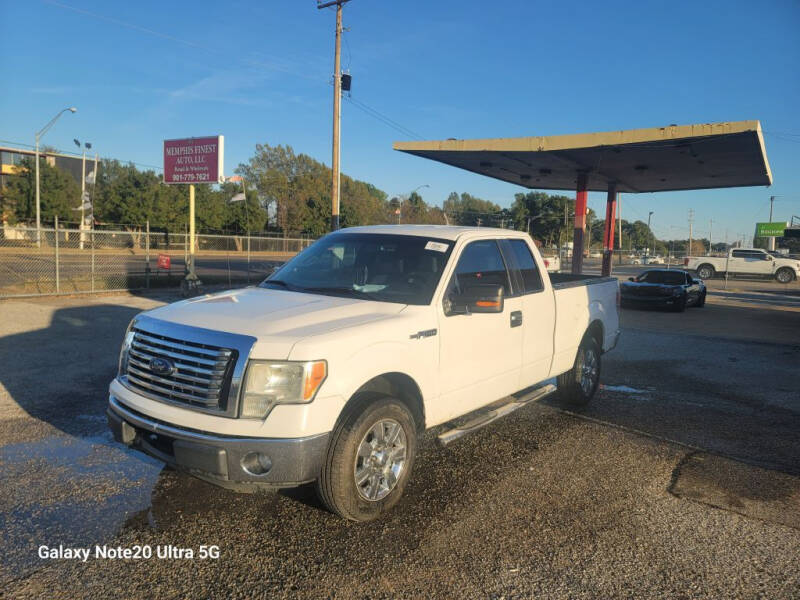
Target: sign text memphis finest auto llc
(194, 160)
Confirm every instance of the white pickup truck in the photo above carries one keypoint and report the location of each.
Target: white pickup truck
(330, 369)
(745, 261)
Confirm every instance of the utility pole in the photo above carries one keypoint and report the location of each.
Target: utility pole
(771, 239)
(691, 220)
(337, 112)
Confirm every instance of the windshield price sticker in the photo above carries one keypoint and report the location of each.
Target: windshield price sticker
(437, 246)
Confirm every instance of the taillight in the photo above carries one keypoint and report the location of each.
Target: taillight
(546, 263)
(686, 261)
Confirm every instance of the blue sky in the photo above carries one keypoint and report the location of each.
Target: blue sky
(259, 72)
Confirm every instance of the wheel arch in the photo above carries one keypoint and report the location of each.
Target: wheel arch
(596, 331)
(395, 385)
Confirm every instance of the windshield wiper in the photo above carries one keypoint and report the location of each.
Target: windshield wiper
(280, 283)
(339, 290)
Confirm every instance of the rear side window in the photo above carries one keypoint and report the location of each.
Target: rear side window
(749, 254)
(481, 262)
(522, 261)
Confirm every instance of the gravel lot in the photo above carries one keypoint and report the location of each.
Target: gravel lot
(682, 479)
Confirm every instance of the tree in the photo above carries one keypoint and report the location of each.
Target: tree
(469, 210)
(414, 209)
(296, 189)
(549, 219)
(59, 193)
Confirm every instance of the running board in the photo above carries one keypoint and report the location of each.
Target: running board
(493, 415)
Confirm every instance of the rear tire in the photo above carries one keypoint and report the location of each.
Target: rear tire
(577, 386)
(705, 272)
(784, 275)
(369, 459)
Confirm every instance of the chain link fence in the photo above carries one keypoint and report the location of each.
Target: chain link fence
(52, 261)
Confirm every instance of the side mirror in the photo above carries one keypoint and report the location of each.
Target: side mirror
(631, 278)
(477, 298)
(770, 257)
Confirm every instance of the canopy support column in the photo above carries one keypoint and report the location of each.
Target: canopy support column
(580, 223)
(608, 231)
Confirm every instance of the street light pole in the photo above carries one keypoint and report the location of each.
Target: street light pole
(39, 135)
(771, 243)
(650, 214)
(86, 146)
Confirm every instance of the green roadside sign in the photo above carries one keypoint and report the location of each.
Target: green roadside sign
(770, 229)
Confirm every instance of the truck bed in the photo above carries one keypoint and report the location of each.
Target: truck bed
(562, 281)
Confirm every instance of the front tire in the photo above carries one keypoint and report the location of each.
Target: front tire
(702, 300)
(680, 304)
(369, 460)
(705, 272)
(784, 275)
(577, 386)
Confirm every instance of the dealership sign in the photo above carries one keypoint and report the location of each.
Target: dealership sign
(771, 229)
(194, 160)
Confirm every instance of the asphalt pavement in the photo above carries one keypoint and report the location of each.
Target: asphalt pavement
(681, 479)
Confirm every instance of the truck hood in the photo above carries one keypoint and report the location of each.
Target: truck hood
(274, 315)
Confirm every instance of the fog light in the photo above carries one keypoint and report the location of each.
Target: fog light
(256, 463)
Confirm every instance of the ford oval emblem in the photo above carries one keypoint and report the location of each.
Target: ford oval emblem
(161, 366)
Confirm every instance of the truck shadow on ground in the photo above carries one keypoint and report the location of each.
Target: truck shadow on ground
(60, 373)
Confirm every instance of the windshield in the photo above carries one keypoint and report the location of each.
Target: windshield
(387, 268)
(663, 277)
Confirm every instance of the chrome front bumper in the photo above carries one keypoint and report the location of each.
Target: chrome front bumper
(222, 460)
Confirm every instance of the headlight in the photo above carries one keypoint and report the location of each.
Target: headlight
(125, 350)
(269, 383)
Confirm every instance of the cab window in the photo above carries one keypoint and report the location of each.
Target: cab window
(522, 263)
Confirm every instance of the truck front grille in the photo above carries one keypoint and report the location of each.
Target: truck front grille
(180, 371)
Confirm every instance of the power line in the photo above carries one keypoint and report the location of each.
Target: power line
(383, 118)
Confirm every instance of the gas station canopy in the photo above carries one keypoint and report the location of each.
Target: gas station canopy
(659, 159)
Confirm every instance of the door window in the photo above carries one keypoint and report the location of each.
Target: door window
(481, 263)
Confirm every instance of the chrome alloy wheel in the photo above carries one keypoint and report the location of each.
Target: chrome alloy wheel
(589, 370)
(380, 460)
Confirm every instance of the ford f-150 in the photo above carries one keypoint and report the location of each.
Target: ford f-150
(330, 369)
(745, 261)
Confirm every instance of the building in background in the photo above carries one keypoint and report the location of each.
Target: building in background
(11, 160)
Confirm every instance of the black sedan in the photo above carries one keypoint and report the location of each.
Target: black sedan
(668, 288)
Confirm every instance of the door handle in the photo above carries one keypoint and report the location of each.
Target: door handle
(516, 318)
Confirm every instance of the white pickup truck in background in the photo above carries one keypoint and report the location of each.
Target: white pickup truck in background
(552, 263)
(745, 261)
(330, 369)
